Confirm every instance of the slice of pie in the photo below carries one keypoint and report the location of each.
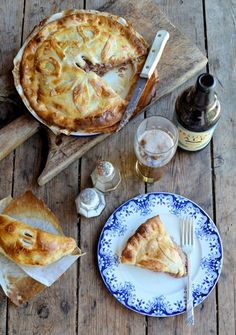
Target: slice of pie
(151, 247)
(63, 64)
(26, 245)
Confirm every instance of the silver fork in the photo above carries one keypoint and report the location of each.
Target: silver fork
(187, 246)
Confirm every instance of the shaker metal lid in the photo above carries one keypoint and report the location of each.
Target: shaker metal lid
(89, 198)
(104, 170)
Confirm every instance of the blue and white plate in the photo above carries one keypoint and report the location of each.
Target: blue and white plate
(152, 293)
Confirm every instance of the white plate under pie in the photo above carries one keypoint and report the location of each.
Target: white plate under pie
(152, 293)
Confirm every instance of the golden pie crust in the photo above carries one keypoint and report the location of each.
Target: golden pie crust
(151, 247)
(63, 65)
(27, 245)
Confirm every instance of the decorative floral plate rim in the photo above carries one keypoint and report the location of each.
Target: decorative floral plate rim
(128, 292)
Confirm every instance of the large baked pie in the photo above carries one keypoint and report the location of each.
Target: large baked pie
(67, 67)
(151, 247)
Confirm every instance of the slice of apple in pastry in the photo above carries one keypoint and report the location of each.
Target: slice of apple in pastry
(27, 245)
(152, 247)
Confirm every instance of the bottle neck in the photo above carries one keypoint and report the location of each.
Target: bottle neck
(198, 108)
(202, 100)
(202, 95)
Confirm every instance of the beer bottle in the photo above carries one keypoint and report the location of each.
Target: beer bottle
(197, 112)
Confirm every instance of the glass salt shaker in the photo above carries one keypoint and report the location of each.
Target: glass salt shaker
(90, 202)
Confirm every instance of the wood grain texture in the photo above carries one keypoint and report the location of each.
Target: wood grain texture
(181, 60)
(189, 174)
(10, 21)
(54, 311)
(221, 30)
(79, 302)
(99, 312)
(11, 14)
(16, 133)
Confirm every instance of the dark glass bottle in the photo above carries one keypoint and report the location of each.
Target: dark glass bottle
(197, 111)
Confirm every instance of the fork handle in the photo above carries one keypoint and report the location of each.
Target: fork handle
(190, 315)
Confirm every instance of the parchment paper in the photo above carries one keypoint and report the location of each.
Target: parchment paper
(14, 276)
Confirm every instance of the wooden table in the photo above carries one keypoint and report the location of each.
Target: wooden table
(79, 303)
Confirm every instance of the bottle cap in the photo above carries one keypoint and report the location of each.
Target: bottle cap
(105, 177)
(90, 202)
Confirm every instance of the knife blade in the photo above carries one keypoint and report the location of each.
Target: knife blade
(152, 60)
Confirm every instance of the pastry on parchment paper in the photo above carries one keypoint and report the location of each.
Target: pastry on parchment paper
(152, 247)
(27, 245)
(18, 285)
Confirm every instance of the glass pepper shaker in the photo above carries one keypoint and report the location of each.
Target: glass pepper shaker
(105, 176)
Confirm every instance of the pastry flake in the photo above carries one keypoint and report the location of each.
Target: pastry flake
(60, 59)
(151, 247)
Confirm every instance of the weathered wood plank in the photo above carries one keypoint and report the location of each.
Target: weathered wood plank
(16, 133)
(10, 29)
(11, 14)
(97, 4)
(99, 312)
(181, 177)
(6, 172)
(221, 30)
(54, 311)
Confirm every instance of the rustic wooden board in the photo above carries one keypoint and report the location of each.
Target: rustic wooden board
(222, 65)
(180, 61)
(182, 178)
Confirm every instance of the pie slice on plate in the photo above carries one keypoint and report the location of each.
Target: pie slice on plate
(151, 247)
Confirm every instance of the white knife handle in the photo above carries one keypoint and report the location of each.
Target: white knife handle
(155, 53)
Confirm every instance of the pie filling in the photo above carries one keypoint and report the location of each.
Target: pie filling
(78, 72)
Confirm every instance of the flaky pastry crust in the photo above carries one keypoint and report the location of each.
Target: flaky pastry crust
(26, 245)
(62, 66)
(151, 247)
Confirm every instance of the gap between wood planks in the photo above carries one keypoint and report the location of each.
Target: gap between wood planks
(212, 155)
(13, 163)
(78, 235)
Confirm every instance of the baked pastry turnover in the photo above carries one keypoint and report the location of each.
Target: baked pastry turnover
(151, 247)
(65, 69)
(26, 245)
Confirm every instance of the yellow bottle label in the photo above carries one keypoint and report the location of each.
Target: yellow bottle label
(194, 141)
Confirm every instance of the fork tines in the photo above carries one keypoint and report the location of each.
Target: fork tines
(187, 231)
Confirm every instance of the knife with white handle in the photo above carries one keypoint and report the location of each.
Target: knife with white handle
(152, 60)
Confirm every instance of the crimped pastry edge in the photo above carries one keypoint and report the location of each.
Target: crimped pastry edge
(18, 58)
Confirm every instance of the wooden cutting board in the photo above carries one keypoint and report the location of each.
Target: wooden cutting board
(180, 61)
